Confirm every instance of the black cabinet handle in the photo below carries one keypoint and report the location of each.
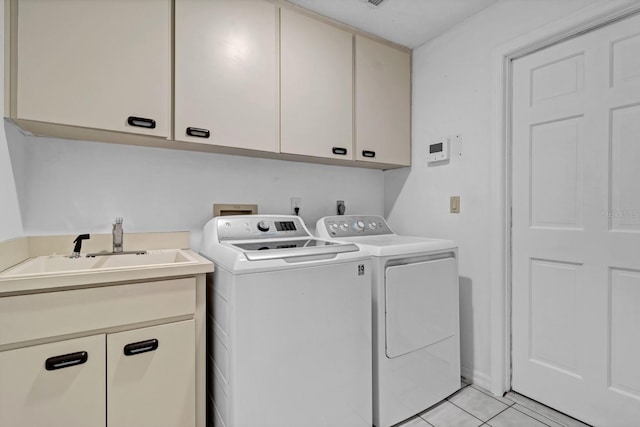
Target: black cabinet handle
(198, 133)
(339, 151)
(140, 347)
(141, 122)
(367, 153)
(66, 360)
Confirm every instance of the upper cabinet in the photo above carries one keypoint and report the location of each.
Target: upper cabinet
(251, 77)
(383, 103)
(316, 69)
(226, 73)
(95, 64)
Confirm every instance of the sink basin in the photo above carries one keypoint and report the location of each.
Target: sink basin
(149, 259)
(50, 264)
(58, 264)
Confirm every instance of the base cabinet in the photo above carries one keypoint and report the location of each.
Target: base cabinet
(38, 390)
(120, 355)
(149, 381)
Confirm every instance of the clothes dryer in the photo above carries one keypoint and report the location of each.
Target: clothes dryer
(416, 340)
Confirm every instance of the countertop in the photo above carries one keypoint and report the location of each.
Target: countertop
(18, 250)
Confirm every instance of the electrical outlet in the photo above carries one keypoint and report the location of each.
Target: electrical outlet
(296, 202)
(454, 204)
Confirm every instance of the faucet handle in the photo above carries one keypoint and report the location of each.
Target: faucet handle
(78, 245)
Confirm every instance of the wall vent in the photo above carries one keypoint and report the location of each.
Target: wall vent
(375, 2)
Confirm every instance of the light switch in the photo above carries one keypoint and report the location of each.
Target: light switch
(454, 204)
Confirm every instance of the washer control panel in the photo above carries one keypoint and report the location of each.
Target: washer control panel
(249, 227)
(352, 225)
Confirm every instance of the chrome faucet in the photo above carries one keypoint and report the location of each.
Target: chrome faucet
(118, 243)
(117, 236)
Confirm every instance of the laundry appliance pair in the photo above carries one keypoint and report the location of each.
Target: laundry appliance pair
(356, 328)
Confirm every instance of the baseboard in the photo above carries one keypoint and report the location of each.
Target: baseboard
(480, 379)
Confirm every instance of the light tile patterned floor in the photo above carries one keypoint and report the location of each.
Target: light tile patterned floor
(472, 406)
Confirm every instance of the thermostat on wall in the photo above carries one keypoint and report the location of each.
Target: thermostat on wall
(438, 151)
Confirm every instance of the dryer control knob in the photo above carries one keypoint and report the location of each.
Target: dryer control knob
(372, 225)
(333, 227)
(359, 225)
(344, 226)
(263, 226)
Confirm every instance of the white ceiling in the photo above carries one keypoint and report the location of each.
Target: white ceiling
(406, 22)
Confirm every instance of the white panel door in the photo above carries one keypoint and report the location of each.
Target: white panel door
(576, 226)
(316, 87)
(60, 384)
(226, 73)
(151, 376)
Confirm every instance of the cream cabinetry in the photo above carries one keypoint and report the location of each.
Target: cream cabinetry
(35, 390)
(226, 73)
(151, 376)
(383, 103)
(114, 356)
(95, 64)
(251, 77)
(316, 69)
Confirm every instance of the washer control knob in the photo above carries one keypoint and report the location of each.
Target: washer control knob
(359, 225)
(372, 225)
(263, 226)
(333, 227)
(344, 226)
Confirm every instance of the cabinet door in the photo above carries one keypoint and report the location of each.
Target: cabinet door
(95, 64)
(57, 384)
(151, 376)
(383, 103)
(226, 78)
(316, 66)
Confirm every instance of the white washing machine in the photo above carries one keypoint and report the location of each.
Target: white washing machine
(416, 340)
(289, 328)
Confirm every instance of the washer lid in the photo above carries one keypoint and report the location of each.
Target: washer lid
(282, 249)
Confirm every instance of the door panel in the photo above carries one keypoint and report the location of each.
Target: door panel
(95, 64)
(418, 301)
(576, 217)
(556, 173)
(316, 75)
(624, 296)
(226, 70)
(625, 152)
(73, 396)
(152, 387)
(382, 103)
(554, 296)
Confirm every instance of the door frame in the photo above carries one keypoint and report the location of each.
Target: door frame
(586, 19)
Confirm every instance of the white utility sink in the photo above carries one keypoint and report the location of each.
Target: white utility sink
(59, 264)
(149, 259)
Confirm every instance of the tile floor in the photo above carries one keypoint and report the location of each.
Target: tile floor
(472, 406)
